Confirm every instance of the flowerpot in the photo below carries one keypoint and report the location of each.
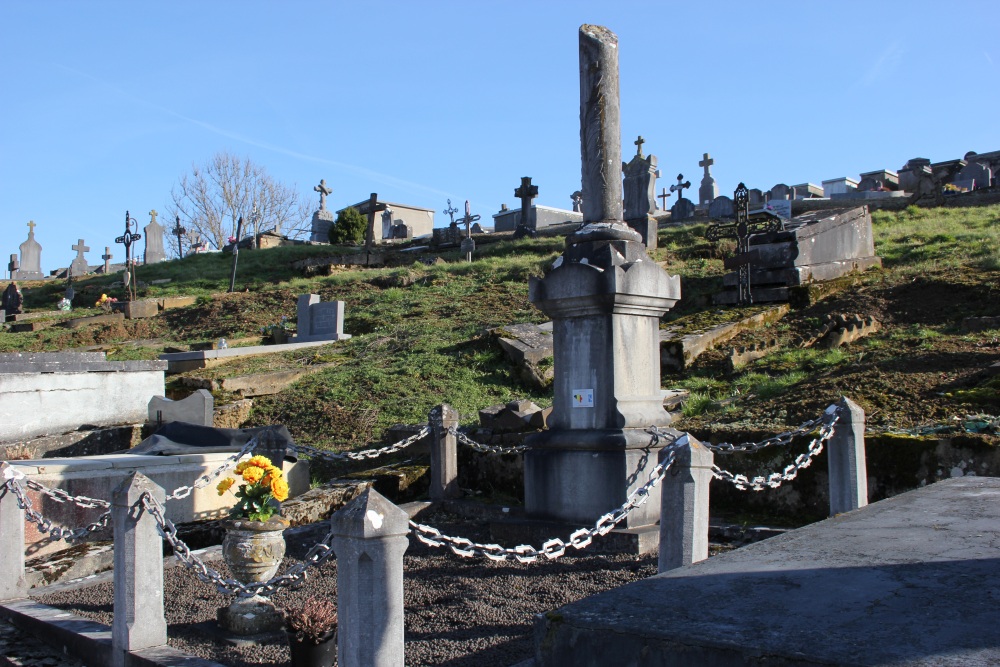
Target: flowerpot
(306, 654)
(253, 549)
(279, 336)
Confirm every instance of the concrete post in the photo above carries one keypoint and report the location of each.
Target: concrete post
(12, 582)
(846, 456)
(138, 567)
(444, 453)
(684, 507)
(370, 538)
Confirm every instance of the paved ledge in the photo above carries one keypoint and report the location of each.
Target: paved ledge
(911, 580)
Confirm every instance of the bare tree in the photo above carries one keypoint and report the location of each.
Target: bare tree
(211, 199)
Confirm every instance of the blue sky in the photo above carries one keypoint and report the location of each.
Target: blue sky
(107, 104)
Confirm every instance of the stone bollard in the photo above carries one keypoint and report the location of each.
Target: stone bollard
(12, 582)
(370, 537)
(848, 471)
(444, 453)
(138, 569)
(684, 507)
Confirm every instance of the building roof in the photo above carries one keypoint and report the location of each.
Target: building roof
(364, 204)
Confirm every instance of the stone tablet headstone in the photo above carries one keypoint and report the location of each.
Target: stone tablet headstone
(31, 258)
(780, 207)
(402, 231)
(577, 198)
(153, 233)
(640, 194)
(13, 264)
(779, 191)
(12, 300)
(756, 198)
(721, 207)
(708, 191)
(319, 321)
(980, 173)
(682, 209)
(79, 266)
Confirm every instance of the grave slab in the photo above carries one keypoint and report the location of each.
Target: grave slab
(180, 362)
(908, 581)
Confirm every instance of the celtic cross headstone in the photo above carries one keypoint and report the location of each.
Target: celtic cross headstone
(525, 193)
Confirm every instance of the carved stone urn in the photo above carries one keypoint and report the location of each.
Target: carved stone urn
(253, 551)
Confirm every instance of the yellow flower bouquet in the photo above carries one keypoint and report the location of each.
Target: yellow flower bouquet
(263, 487)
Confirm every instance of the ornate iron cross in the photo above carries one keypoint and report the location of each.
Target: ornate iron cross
(451, 211)
(680, 185)
(178, 231)
(127, 239)
(741, 230)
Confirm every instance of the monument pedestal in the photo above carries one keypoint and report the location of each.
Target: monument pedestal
(648, 229)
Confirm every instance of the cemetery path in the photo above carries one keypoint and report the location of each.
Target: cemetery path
(459, 612)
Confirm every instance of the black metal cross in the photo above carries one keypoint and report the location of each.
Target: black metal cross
(639, 142)
(179, 231)
(451, 211)
(679, 186)
(236, 254)
(525, 193)
(127, 239)
(741, 230)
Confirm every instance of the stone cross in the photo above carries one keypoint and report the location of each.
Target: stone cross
(31, 227)
(663, 196)
(706, 162)
(80, 249)
(107, 258)
(451, 211)
(178, 231)
(742, 230)
(525, 193)
(152, 216)
(469, 219)
(373, 208)
(323, 191)
(639, 142)
(13, 265)
(679, 186)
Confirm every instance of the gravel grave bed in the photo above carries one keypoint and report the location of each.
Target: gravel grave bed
(460, 612)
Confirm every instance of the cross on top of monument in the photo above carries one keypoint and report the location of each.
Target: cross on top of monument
(526, 192)
(451, 211)
(80, 248)
(706, 163)
(323, 191)
(152, 216)
(639, 142)
(31, 226)
(679, 186)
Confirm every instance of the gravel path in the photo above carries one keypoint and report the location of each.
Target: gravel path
(459, 612)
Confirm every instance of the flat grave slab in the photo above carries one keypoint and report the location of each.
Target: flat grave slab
(180, 362)
(910, 580)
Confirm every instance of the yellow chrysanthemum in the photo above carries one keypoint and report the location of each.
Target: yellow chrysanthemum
(261, 462)
(225, 485)
(252, 474)
(241, 466)
(274, 471)
(279, 489)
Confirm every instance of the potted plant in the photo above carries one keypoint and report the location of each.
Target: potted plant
(312, 633)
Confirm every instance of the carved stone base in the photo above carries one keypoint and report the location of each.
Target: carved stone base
(250, 616)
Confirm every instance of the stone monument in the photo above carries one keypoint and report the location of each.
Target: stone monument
(322, 219)
(319, 321)
(708, 190)
(13, 265)
(577, 198)
(640, 194)
(682, 209)
(153, 233)
(107, 257)
(31, 257)
(78, 267)
(605, 297)
(722, 207)
(527, 192)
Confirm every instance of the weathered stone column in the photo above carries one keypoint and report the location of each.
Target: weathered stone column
(605, 297)
(444, 453)
(848, 470)
(138, 567)
(600, 125)
(12, 582)
(369, 541)
(684, 507)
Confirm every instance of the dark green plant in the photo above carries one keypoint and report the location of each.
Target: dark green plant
(349, 228)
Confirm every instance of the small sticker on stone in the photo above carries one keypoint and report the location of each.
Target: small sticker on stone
(583, 398)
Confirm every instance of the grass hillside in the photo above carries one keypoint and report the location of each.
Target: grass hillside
(421, 332)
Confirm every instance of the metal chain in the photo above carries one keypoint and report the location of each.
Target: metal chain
(318, 554)
(44, 524)
(479, 447)
(61, 496)
(783, 439)
(313, 452)
(555, 547)
(208, 478)
(804, 460)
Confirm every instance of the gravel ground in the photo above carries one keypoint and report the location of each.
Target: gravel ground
(459, 612)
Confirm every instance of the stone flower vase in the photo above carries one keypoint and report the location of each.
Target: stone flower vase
(253, 551)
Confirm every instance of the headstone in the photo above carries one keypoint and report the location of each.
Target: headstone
(756, 198)
(577, 198)
(107, 257)
(322, 218)
(387, 223)
(721, 207)
(682, 209)
(70, 293)
(979, 174)
(319, 321)
(779, 191)
(177, 231)
(640, 194)
(527, 192)
(780, 207)
(153, 233)
(12, 300)
(13, 265)
(708, 190)
(373, 207)
(79, 265)
(910, 174)
(31, 257)
(402, 231)
(605, 297)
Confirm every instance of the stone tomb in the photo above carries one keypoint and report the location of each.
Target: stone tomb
(31, 258)
(815, 246)
(319, 321)
(46, 393)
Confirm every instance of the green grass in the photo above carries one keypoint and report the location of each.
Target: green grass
(917, 240)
